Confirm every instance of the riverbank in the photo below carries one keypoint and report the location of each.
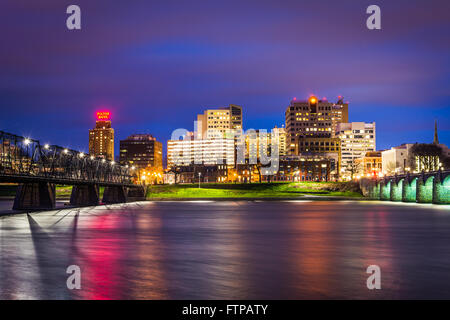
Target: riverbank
(243, 191)
(266, 191)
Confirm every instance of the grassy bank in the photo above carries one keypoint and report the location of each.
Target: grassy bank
(254, 190)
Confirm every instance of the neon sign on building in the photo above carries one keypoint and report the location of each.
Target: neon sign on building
(103, 116)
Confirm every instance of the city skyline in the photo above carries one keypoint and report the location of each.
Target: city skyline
(225, 155)
(55, 79)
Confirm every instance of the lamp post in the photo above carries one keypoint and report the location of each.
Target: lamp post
(199, 175)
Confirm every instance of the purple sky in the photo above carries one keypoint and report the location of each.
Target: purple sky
(156, 64)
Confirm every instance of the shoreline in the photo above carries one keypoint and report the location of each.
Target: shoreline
(318, 198)
(306, 198)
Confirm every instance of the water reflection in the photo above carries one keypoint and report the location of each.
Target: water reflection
(227, 250)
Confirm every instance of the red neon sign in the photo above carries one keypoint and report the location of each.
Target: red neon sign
(103, 115)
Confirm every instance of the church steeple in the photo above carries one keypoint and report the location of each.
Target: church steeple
(436, 140)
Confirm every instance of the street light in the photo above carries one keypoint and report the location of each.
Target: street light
(46, 147)
(27, 141)
(199, 175)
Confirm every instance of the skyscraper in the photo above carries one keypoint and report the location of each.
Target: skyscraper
(313, 118)
(101, 138)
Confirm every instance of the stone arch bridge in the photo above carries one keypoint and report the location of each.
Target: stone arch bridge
(425, 187)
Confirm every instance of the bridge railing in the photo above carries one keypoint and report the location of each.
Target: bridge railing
(25, 157)
(413, 174)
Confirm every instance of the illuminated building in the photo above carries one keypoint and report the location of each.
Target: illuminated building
(399, 159)
(313, 118)
(370, 165)
(301, 168)
(282, 140)
(193, 173)
(200, 151)
(141, 151)
(356, 139)
(328, 148)
(222, 120)
(101, 138)
(395, 160)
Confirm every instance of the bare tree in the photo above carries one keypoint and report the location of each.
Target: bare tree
(353, 168)
(426, 156)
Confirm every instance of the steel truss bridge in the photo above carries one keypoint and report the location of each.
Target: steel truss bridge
(38, 168)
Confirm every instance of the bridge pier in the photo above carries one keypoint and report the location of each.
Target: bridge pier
(396, 189)
(85, 195)
(424, 189)
(370, 188)
(385, 189)
(115, 194)
(409, 189)
(136, 193)
(35, 196)
(374, 190)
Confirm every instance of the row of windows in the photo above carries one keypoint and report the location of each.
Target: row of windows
(307, 108)
(322, 149)
(322, 143)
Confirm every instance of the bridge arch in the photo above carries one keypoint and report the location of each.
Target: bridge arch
(396, 190)
(441, 189)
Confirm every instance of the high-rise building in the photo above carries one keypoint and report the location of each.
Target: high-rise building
(313, 118)
(141, 151)
(356, 139)
(221, 121)
(101, 138)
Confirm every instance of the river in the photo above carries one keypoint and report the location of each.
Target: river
(228, 250)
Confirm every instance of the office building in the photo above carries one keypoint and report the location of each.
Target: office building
(356, 139)
(101, 138)
(217, 122)
(200, 151)
(313, 118)
(282, 140)
(141, 151)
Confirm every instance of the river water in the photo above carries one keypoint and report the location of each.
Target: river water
(228, 250)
